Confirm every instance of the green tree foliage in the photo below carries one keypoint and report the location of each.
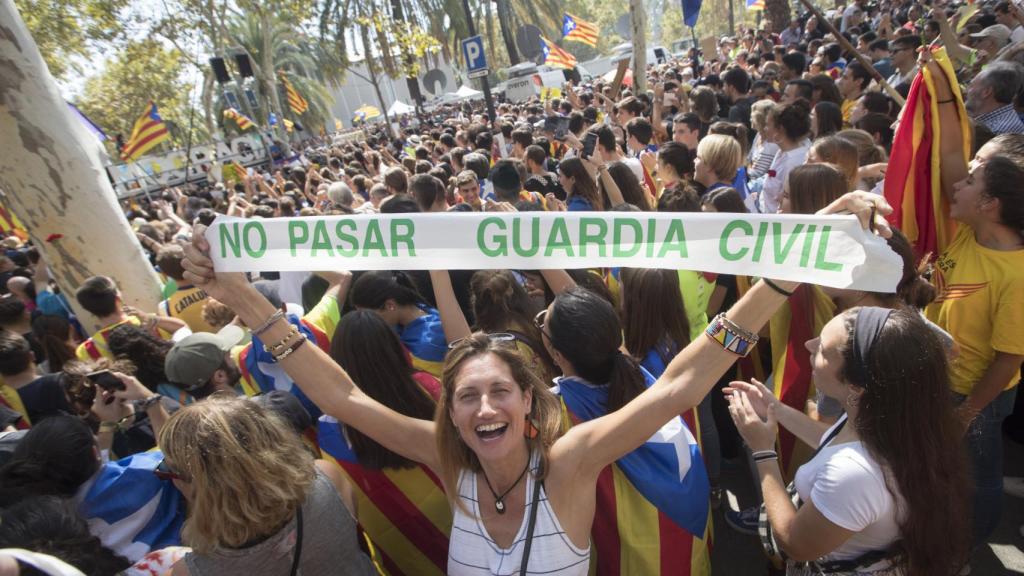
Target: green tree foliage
(64, 29)
(142, 71)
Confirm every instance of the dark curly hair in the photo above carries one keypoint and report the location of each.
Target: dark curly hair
(145, 351)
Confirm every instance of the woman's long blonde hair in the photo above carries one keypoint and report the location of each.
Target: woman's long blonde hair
(545, 412)
(249, 472)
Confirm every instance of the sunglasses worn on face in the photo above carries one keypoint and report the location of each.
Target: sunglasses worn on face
(164, 472)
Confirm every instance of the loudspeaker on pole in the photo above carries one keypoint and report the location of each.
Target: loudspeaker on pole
(220, 70)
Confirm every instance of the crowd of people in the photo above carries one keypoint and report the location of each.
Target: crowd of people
(516, 421)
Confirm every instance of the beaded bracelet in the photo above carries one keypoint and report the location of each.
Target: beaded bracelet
(730, 336)
(283, 343)
(295, 346)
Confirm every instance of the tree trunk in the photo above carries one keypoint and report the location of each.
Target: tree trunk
(777, 13)
(489, 27)
(54, 181)
(374, 79)
(206, 99)
(639, 21)
(507, 34)
(270, 80)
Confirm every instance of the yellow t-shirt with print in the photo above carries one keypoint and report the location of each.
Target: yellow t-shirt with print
(981, 304)
(186, 303)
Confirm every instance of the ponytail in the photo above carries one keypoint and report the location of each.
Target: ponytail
(626, 381)
(373, 289)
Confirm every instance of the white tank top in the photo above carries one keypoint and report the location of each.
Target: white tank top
(472, 552)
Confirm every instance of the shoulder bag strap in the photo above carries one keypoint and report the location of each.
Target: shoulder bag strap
(529, 529)
(298, 542)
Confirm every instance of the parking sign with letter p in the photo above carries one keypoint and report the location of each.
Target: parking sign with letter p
(473, 54)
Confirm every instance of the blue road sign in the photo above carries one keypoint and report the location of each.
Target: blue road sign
(473, 53)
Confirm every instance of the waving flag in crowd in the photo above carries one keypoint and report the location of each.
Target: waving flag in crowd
(296, 102)
(243, 121)
(555, 56)
(575, 29)
(755, 4)
(149, 130)
(691, 10)
(913, 181)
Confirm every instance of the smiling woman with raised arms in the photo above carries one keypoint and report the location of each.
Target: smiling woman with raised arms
(523, 495)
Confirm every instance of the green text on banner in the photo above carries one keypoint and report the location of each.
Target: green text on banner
(827, 250)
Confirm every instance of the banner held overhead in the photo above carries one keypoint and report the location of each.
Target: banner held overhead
(827, 250)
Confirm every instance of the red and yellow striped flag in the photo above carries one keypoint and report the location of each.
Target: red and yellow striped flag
(913, 181)
(575, 29)
(555, 56)
(243, 121)
(149, 130)
(296, 102)
(800, 319)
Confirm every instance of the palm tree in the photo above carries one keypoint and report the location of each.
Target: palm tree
(296, 55)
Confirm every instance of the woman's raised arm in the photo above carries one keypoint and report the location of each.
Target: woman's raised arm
(693, 372)
(319, 377)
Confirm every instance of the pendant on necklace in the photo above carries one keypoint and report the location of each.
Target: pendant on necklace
(499, 506)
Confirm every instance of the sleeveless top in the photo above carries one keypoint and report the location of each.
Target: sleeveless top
(472, 552)
(329, 543)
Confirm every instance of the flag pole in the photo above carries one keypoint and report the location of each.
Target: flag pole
(860, 58)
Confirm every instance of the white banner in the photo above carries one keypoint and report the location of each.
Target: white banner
(826, 250)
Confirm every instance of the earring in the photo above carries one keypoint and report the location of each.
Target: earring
(851, 399)
(531, 431)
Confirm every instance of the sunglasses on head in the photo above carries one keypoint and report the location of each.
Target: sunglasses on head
(163, 471)
(497, 337)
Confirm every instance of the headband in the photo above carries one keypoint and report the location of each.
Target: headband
(866, 329)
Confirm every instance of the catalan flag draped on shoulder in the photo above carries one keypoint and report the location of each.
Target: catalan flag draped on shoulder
(296, 102)
(243, 121)
(575, 29)
(403, 512)
(800, 319)
(261, 373)
(555, 56)
(425, 341)
(652, 514)
(149, 130)
(913, 181)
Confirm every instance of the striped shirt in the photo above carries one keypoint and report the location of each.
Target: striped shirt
(1003, 120)
(472, 552)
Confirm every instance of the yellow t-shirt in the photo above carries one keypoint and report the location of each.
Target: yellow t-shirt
(96, 347)
(981, 304)
(847, 108)
(186, 303)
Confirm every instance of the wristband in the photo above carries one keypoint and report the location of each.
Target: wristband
(777, 288)
(762, 455)
(277, 315)
(730, 336)
(295, 346)
(149, 402)
(283, 343)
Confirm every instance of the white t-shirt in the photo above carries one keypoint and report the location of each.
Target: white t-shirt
(775, 180)
(1017, 34)
(847, 485)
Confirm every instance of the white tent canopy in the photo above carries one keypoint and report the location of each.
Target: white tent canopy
(399, 108)
(463, 93)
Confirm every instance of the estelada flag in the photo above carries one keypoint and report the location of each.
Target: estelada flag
(555, 56)
(800, 319)
(652, 514)
(575, 29)
(404, 513)
(296, 102)
(243, 121)
(149, 130)
(913, 180)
